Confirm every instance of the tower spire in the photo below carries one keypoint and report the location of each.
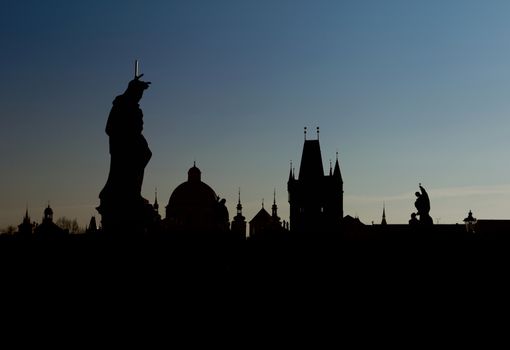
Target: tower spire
(274, 208)
(239, 206)
(156, 205)
(383, 222)
(317, 133)
(336, 172)
(305, 133)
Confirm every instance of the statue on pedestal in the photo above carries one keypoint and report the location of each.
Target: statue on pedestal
(422, 205)
(122, 208)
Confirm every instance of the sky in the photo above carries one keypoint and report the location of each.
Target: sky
(407, 92)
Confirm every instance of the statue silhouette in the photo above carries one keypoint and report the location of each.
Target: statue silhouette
(422, 205)
(121, 204)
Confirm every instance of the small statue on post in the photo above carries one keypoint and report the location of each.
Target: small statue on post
(422, 205)
(122, 208)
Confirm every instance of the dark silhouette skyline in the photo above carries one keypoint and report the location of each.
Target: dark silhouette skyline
(195, 211)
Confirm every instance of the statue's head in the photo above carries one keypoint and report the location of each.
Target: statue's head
(417, 194)
(413, 216)
(136, 88)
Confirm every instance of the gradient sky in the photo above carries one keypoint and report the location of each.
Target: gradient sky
(406, 91)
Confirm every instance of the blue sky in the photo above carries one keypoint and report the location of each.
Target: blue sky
(406, 91)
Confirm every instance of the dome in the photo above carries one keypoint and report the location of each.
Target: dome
(192, 194)
(194, 206)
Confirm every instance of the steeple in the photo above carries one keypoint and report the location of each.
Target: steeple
(330, 168)
(290, 172)
(336, 172)
(26, 218)
(383, 222)
(274, 208)
(156, 205)
(239, 206)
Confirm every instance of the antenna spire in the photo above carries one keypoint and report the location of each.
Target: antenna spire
(137, 69)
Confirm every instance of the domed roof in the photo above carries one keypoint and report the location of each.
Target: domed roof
(192, 193)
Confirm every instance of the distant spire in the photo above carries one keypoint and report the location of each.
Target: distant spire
(262, 203)
(330, 168)
(317, 133)
(239, 206)
(290, 172)
(336, 172)
(383, 222)
(156, 205)
(305, 133)
(274, 208)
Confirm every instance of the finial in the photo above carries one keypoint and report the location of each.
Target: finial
(262, 203)
(194, 163)
(305, 133)
(137, 70)
(239, 198)
(274, 196)
(317, 133)
(336, 154)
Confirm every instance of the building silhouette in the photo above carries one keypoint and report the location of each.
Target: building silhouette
(26, 228)
(48, 229)
(238, 226)
(194, 207)
(316, 200)
(265, 225)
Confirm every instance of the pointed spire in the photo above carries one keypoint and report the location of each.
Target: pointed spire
(336, 172)
(383, 222)
(290, 172)
(317, 133)
(330, 168)
(274, 208)
(305, 133)
(262, 203)
(156, 205)
(239, 206)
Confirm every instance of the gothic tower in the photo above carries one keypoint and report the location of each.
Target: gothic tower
(316, 200)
